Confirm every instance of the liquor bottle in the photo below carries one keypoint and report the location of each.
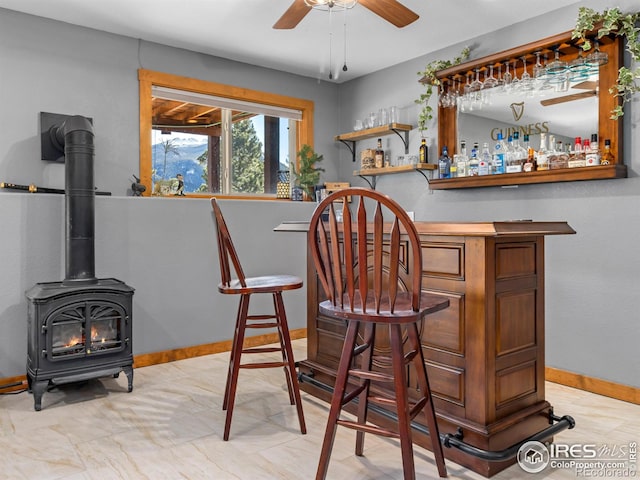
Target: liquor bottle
(472, 171)
(453, 170)
(518, 155)
(485, 159)
(424, 152)
(498, 160)
(530, 163)
(607, 156)
(378, 155)
(552, 153)
(577, 158)
(461, 160)
(444, 164)
(592, 157)
(564, 155)
(541, 157)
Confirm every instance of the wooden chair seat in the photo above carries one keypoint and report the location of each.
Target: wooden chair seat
(264, 284)
(246, 287)
(370, 271)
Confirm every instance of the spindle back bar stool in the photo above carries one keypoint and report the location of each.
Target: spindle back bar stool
(370, 271)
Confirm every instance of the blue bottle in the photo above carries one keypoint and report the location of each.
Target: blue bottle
(499, 156)
(444, 164)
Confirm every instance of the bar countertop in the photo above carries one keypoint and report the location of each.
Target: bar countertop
(467, 229)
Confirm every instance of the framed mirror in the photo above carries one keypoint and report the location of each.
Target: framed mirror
(517, 91)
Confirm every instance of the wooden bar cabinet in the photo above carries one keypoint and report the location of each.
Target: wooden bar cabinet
(485, 353)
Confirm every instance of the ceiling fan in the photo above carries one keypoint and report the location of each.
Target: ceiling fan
(390, 10)
(589, 85)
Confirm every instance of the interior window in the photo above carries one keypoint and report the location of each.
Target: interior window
(204, 138)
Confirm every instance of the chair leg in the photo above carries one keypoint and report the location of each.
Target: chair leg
(232, 379)
(232, 355)
(423, 383)
(287, 357)
(281, 338)
(402, 401)
(369, 336)
(342, 376)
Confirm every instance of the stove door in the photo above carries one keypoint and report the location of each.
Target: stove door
(85, 328)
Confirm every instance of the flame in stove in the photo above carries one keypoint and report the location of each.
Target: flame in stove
(97, 336)
(74, 341)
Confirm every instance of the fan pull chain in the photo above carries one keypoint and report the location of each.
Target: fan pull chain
(330, 44)
(344, 67)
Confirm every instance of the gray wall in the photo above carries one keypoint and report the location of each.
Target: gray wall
(165, 248)
(592, 281)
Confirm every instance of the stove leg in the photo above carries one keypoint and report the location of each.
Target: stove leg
(38, 388)
(128, 370)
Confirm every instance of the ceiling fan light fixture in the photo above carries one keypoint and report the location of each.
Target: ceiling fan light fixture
(331, 4)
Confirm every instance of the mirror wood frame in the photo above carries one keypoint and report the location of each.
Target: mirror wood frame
(607, 127)
(149, 78)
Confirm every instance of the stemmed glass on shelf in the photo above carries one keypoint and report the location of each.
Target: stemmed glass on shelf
(526, 82)
(507, 78)
(557, 71)
(540, 78)
(515, 82)
(476, 90)
(578, 68)
(597, 58)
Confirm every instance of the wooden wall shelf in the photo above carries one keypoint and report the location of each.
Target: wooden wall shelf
(373, 173)
(599, 172)
(350, 138)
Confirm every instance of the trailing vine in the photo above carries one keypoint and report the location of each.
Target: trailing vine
(428, 78)
(613, 21)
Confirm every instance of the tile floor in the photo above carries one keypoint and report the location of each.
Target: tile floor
(170, 427)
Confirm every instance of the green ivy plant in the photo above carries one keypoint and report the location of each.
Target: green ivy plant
(307, 175)
(613, 21)
(428, 78)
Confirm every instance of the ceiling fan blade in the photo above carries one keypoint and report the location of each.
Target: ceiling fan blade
(292, 17)
(392, 11)
(568, 98)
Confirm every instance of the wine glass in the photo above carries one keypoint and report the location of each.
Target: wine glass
(489, 82)
(579, 68)
(526, 83)
(597, 58)
(557, 69)
(507, 78)
(515, 82)
(476, 87)
(467, 104)
(540, 75)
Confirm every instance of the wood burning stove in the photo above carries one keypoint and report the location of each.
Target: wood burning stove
(79, 328)
(77, 333)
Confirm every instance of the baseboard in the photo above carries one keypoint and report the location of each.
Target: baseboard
(12, 384)
(582, 382)
(618, 391)
(146, 359)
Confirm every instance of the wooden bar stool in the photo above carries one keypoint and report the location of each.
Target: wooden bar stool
(373, 283)
(245, 287)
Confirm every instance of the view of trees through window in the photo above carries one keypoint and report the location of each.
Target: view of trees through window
(188, 154)
(200, 137)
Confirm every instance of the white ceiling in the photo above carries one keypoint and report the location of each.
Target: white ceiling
(242, 29)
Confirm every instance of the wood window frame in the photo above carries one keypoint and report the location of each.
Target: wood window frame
(148, 78)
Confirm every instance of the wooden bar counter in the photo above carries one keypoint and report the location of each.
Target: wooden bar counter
(485, 353)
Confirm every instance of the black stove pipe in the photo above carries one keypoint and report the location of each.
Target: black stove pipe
(75, 134)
